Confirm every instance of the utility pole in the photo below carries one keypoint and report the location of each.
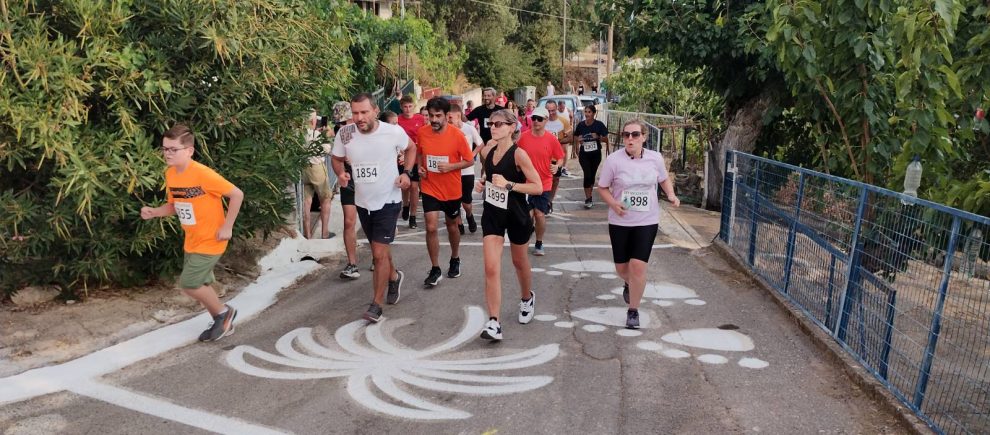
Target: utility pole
(404, 63)
(563, 51)
(611, 57)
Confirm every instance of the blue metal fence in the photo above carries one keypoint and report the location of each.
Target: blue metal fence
(900, 283)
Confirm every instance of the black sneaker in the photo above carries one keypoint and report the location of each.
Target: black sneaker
(632, 319)
(221, 326)
(350, 272)
(330, 235)
(460, 228)
(374, 313)
(434, 277)
(588, 203)
(455, 268)
(412, 222)
(550, 209)
(625, 292)
(405, 212)
(472, 225)
(394, 289)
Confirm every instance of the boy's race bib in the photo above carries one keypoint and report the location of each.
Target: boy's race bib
(184, 211)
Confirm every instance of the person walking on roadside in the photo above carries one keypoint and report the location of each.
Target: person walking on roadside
(371, 146)
(560, 127)
(629, 186)
(591, 134)
(455, 119)
(193, 193)
(508, 176)
(483, 113)
(315, 180)
(544, 150)
(550, 88)
(411, 122)
(444, 152)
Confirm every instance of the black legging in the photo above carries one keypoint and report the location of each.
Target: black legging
(589, 164)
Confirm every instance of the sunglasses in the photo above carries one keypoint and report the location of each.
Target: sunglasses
(632, 134)
(499, 124)
(538, 118)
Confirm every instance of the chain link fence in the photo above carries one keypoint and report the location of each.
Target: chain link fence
(900, 283)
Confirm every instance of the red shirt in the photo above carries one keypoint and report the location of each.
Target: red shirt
(412, 125)
(541, 151)
(449, 146)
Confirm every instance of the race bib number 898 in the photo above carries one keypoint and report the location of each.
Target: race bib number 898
(636, 200)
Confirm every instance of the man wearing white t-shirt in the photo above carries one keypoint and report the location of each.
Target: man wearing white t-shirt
(370, 147)
(560, 127)
(467, 174)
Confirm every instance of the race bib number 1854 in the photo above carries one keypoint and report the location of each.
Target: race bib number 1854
(365, 173)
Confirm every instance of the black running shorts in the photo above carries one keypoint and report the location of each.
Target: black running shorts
(632, 242)
(451, 209)
(379, 225)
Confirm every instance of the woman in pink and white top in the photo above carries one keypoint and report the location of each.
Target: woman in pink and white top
(628, 185)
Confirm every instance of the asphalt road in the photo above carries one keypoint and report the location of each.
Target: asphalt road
(716, 356)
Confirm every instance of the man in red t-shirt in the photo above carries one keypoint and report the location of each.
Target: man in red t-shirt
(443, 153)
(545, 151)
(411, 122)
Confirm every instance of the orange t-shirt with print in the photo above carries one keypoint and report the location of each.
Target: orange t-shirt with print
(196, 195)
(449, 146)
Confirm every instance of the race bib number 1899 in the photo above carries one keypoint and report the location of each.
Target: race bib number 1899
(184, 211)
(365, 173)
(497, 196)
(636, 200)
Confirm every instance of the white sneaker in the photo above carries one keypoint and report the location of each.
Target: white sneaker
(492, 331)
(527, 308)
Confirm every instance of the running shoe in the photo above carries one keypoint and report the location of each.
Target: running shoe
(588, 203)
(372, 267)
(405, 212)
(350, 272)
(434, 277)
(527, 308)
(492, 331)
(394, 289)
(625, 292)
(460, 228)
(565, 173)
(374, 313)
(412, 223)
(472, 225)
(455, 268)
(538, 250)
(221, 326)
(550, 210)
(632, 319)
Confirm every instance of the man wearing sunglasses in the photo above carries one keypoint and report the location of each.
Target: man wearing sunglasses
(544, 150)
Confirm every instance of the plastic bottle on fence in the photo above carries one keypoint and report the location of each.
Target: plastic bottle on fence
(972, 250)
(912, 179)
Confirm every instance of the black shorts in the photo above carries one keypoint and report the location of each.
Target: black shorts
(467, 188)
(451, 209)
(413, 173)
(347, 194)
(632, 242)
(379, 225)
(499, 224)
(540, 202)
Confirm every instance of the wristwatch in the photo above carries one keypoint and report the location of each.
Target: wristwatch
(509, 186)
(402, 170)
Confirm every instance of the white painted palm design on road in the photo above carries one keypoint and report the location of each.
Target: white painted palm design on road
(386, 364)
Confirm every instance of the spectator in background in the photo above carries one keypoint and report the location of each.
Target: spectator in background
(502, 100)
(549, 88)
(389, 117)
(424, 112)
(580, 90)
(315, 179)
(527, 116)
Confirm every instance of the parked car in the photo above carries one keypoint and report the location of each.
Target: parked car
(572, 102)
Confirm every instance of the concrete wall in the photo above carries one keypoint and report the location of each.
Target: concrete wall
(473, 95)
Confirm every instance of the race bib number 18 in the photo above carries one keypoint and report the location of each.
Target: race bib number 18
(497, 196)
(433, 162)
(636, 200)
(365, 173)
(184, 211)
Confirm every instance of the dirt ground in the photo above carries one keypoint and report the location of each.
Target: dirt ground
(62, 330)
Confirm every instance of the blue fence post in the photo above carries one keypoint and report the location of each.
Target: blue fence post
(852, 274)
(933, 332)
(792, 236)
(753, 222)
(728, 193)
(888, 334)
(831, 291)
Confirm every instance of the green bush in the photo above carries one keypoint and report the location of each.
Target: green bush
(87, 87)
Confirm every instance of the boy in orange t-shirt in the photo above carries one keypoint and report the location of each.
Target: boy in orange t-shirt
(443, 152)
(194, 192)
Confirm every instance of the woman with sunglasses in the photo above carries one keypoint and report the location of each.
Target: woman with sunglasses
(629, 186)
(508, 176)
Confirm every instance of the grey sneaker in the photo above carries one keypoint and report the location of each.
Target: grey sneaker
(350, 272)
(374, 313)
(632, 319)
(394, 289)
(527, 308)
(221, 326)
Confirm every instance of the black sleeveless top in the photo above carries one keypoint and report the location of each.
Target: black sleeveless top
(516, 204)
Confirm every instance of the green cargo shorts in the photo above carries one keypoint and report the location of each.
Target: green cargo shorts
(197, 270)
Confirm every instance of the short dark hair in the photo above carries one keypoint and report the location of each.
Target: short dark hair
(387, 115)
(438, 103)
(365, 96)
(406, 99)
(591, 108)
(182, 133)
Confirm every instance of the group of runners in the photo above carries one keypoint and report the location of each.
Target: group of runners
(387, 168)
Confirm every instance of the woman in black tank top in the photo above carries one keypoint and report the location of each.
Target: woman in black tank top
(508, 176)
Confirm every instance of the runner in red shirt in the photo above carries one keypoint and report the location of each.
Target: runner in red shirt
(411, 122)
(545, 151)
